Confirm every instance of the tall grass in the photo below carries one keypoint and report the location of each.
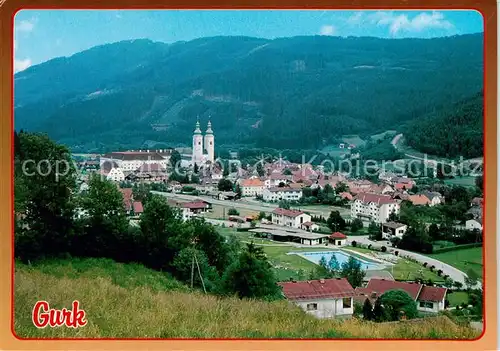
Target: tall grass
(131, 301)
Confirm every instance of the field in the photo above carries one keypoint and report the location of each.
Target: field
(457, 298)
(128, 301)
(463, 181)
(383, 135)
(463, 259)
(220, 212)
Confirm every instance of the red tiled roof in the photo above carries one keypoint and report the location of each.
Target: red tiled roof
(406, 186)
(346, 195)
(288, 213)
(432, 293)
(151, 167)
(338, 235)
(378, 199)
(127, 198)
(138, 207)
(307, 224)
(380, 286)
(314, 289)
(418, 199)
(279, 176)
(252, 182)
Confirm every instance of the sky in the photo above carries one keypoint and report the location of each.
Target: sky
(40, 35)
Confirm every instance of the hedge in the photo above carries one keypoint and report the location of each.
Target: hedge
(457, 247)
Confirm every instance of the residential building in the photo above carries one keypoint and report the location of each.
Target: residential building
(472, 224)
(428, 298)
(325, 298)
(289, 218)
(419, 200)
(137, 208)
(309, 226)
(477, 201)
(276, 179)
(252, 187)
(435, 198)
(284, 193)
(128, 199)
(129, 161)
(373, 207)
(338, 239)
(111, 171)
(393, 230)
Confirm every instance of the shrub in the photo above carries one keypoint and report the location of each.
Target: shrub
(425, 264)
(439, 272)
(383, 249)
(233, 212)
(432, 268)
(354, 243)
(396, 253)
(369, 246)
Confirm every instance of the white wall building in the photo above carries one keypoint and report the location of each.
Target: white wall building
(289, 218)
(393, 229)
(373, 207)
(472, 224)
(325, 298)
(252, 187)
(285, 193)
(129, 161)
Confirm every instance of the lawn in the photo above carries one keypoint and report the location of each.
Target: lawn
(463, 181)
(383, 135)
(457, 298)
(404, 269)
(464, 259)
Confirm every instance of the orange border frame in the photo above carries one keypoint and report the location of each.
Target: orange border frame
(488, 340)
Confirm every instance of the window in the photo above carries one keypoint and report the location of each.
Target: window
(312, 306)
(346, 302)
(426, 304)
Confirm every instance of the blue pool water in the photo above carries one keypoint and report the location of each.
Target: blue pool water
(341, 256)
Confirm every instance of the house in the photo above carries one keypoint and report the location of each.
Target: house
(373, 207)
(428, 298)
(477, 201)
(289, 235)
(112, 172)
(284, 193)
(325, 298)
(137, 208)
(194, 208)
(289, 218)
(309, 226)
(393, 230)
(338, 239)
(276, 179)
(132, 160)
(224, 195)
(472, 224)
(127, 199)
(346, 196)
(475, 212)
(380, 189)
(435, 198)
(419, 200)
(252, 187)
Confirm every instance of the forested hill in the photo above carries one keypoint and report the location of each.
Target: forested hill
(299, 92)
(453, 131)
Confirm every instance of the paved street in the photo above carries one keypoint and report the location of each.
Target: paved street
(454, 273)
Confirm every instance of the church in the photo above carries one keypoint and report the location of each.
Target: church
(203, 148)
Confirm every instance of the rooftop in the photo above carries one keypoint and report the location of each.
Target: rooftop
(287, 213)
(378, 199)
(317, 289)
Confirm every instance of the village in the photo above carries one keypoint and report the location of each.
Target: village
(264, 204)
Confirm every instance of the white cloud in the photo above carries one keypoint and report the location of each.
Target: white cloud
(402, 23)
(21, 65)
(355, 18)
(327, 30)
(15, 44)
(25, 25)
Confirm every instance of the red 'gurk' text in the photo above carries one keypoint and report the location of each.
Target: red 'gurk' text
(44, 316)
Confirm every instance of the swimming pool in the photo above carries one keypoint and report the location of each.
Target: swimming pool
(341, 257)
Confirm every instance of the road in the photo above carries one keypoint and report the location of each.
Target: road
(455, 274)
(250, 204)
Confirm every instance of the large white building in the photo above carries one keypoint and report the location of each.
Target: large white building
(325, 298)
(289, 218)
(203, 146)
(252, 187)
(284, 193)
(373, 207)
(129, 161)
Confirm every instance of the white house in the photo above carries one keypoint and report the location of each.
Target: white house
(309, 226)
(275, 179)
(252, 187)
(325, 298)
(338, 239)
(114, 174)
(393, 229)
(428, 298)
(284, 193)
(132, 160)
(289, 218)
(435, 198)
(373, 207)
(472, 224)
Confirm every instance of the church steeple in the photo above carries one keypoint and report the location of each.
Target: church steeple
(209, 127)
(197, 129)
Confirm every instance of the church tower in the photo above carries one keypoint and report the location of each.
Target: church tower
(197, 157)
(209, 142)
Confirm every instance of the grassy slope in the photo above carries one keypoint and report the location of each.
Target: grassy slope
(463, 259)
(131, 301)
